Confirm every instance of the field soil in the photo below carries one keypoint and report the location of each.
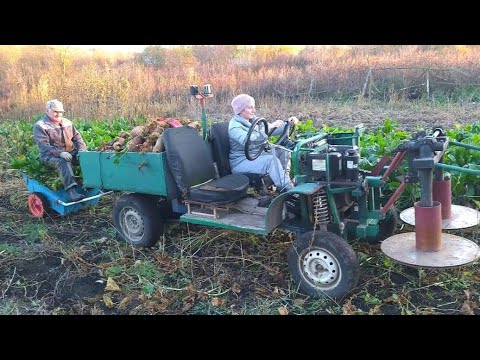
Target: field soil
(74, 264)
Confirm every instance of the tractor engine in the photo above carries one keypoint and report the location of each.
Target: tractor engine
(338, 164)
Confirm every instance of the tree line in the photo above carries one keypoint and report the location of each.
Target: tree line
(96, 84)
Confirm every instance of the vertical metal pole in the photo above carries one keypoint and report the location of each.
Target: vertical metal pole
(426, 179)
(438, 172)
(204, 118)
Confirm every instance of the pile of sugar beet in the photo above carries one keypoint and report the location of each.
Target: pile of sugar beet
(148, 137)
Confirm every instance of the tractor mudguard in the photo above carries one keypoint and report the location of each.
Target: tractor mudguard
(275, 210)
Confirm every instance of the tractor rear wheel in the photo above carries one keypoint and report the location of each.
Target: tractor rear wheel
(137, 220)
(323, 264)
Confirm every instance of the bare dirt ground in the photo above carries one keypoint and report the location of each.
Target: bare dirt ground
(74, 265)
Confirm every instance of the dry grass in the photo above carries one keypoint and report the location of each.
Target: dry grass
(95, 86)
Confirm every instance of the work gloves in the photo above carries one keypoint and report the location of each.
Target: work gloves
(66, 155)
(293, 120)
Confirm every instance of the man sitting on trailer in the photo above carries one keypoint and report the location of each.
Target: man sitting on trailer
(59, 142)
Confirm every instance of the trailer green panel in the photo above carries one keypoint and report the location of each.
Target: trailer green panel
(146, 173)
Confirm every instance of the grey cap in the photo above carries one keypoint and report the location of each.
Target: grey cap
(55, 105)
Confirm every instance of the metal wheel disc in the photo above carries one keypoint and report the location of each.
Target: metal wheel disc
(35, 205)
(320, 267)
(132, 224)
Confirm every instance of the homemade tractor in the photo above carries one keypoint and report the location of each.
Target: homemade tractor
(333, 200)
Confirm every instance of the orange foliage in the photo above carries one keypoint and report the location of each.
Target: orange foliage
(96, 84)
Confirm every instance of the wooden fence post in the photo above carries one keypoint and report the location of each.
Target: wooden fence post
(428, 84)
(365, 86)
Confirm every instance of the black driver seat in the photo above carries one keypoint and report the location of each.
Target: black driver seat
(192, 168)
(221, 148)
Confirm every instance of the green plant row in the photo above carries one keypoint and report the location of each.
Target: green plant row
(21, 152)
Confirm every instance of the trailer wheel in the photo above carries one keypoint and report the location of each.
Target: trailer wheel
(323, 264)
(386, 227)
(38, 205)
(137, 220)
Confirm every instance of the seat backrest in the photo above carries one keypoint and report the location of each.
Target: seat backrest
(220, 144)
(188, 157)
(221, 147)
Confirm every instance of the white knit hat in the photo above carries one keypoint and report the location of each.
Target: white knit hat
(241, 101)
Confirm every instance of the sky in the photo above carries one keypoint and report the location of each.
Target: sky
(135, 48)
(123, 48)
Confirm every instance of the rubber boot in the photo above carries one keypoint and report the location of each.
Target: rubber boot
(74, 195)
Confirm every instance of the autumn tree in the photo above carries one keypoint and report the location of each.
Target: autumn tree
(152, 55)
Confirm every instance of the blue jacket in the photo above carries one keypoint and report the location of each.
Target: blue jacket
(237, 133)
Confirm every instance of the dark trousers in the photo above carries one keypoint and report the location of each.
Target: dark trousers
(64, 168)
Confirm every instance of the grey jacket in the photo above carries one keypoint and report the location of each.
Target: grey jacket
(237, 133)
(50, 138)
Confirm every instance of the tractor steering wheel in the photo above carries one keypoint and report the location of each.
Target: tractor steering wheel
(286, 133)
(261, 143)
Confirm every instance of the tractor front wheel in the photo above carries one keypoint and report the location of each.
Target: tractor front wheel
(323, 264)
